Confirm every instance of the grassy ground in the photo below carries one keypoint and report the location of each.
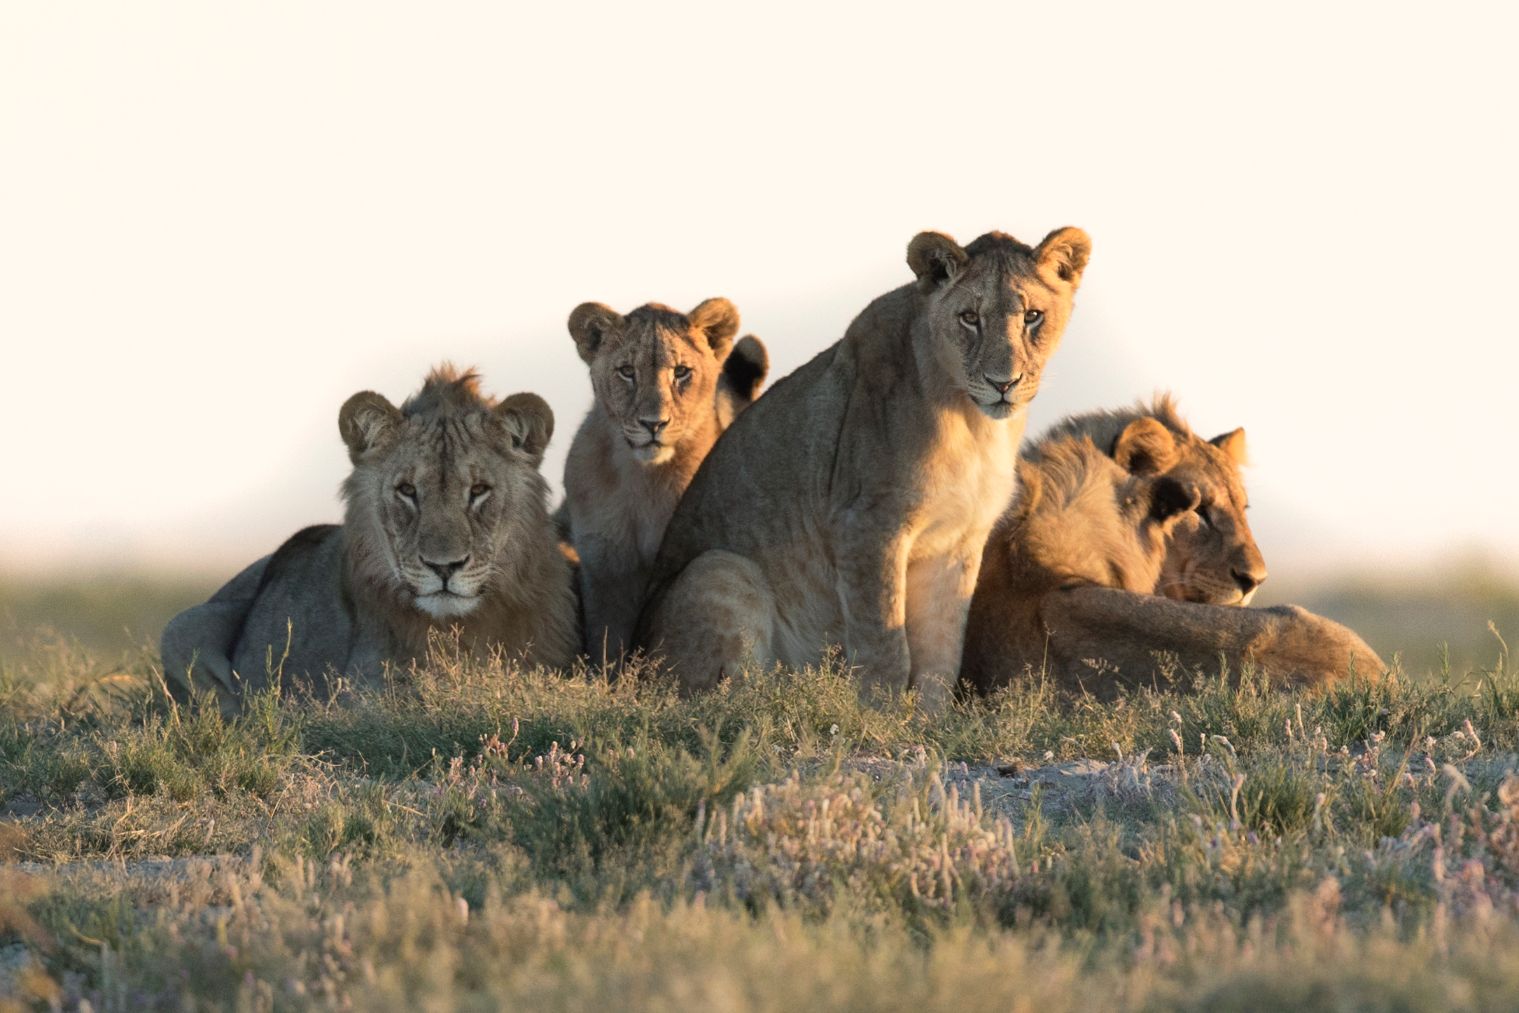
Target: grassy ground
(471, 836)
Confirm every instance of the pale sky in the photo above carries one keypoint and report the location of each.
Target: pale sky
(217, 221)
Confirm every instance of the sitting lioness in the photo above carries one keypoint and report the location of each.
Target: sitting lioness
(666, 387)
(1068, 577)
(1212, 558)
(850, 504)
(446, 526)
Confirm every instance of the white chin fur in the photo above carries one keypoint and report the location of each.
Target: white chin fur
(651, 453)
(996, 410)
(1245, 599)
(446, 606)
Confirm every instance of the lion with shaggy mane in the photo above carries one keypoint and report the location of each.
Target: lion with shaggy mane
(1212, 557)
(1070, 573)
(446, 527)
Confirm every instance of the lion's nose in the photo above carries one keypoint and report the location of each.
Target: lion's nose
(445, 570)
(1248, 580)
(654, 426)
(1003, 386)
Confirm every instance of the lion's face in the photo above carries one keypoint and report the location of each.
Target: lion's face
(1211, 556)
(994, 311)
(443, 489)
(654, 372)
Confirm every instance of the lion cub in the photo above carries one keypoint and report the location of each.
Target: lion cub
(666, 384)
(850, 505)
(1069, 576)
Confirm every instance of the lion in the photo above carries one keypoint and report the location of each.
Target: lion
(1069, 574)
(446, 527)
(666, 386)
(1213, 558)
(850, 504)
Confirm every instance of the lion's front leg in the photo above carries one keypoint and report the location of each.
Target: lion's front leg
(611, 587)
(204, 638)
(872, 590)
(939, 590)
(1308, 649)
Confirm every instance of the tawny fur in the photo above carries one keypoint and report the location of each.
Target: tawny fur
(622, 481)
(850, 504)
(451, 477)
(1212, 556)
(1067, 579)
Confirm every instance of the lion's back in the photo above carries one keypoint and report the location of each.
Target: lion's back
(301, 621)
(762, 470)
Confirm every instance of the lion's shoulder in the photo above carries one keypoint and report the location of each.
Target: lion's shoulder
(290, 563)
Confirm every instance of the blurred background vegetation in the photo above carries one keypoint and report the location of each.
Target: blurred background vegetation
(1429, 618)
(110, 614)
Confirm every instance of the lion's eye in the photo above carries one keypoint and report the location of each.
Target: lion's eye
(682, 373)
(626, 372)
(1033, 318)
(478, 489)
(407, 491)
(970, 318)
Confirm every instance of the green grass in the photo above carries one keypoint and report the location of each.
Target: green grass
(474, 836)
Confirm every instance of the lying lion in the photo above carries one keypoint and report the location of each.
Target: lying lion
(850, 505)
(1214, 560)
(446, 526)
(666, 384)
(1069, 574)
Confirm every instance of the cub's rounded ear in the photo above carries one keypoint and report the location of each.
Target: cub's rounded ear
(935, 259)
(1145, 447)
(1170, 499)
(1064, 254)
(367, 422)
(718, 320)
(529, 423)
(1232, 444)
(591, 323)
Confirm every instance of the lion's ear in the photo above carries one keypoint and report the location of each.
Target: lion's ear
(718, 320)
(935, 259)
(591, 323)
(1232, 444)
(529, 423)
(1064, 253)
(367, 421)
(1145, 447)
(1170, 499)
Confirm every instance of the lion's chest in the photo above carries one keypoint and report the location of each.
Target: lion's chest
(640, 512)
(965, 485)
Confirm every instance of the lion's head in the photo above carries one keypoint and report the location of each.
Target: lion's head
(992, 312)
(655, 371)
(445, 492)
(1212, 557)
(1084, 520)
